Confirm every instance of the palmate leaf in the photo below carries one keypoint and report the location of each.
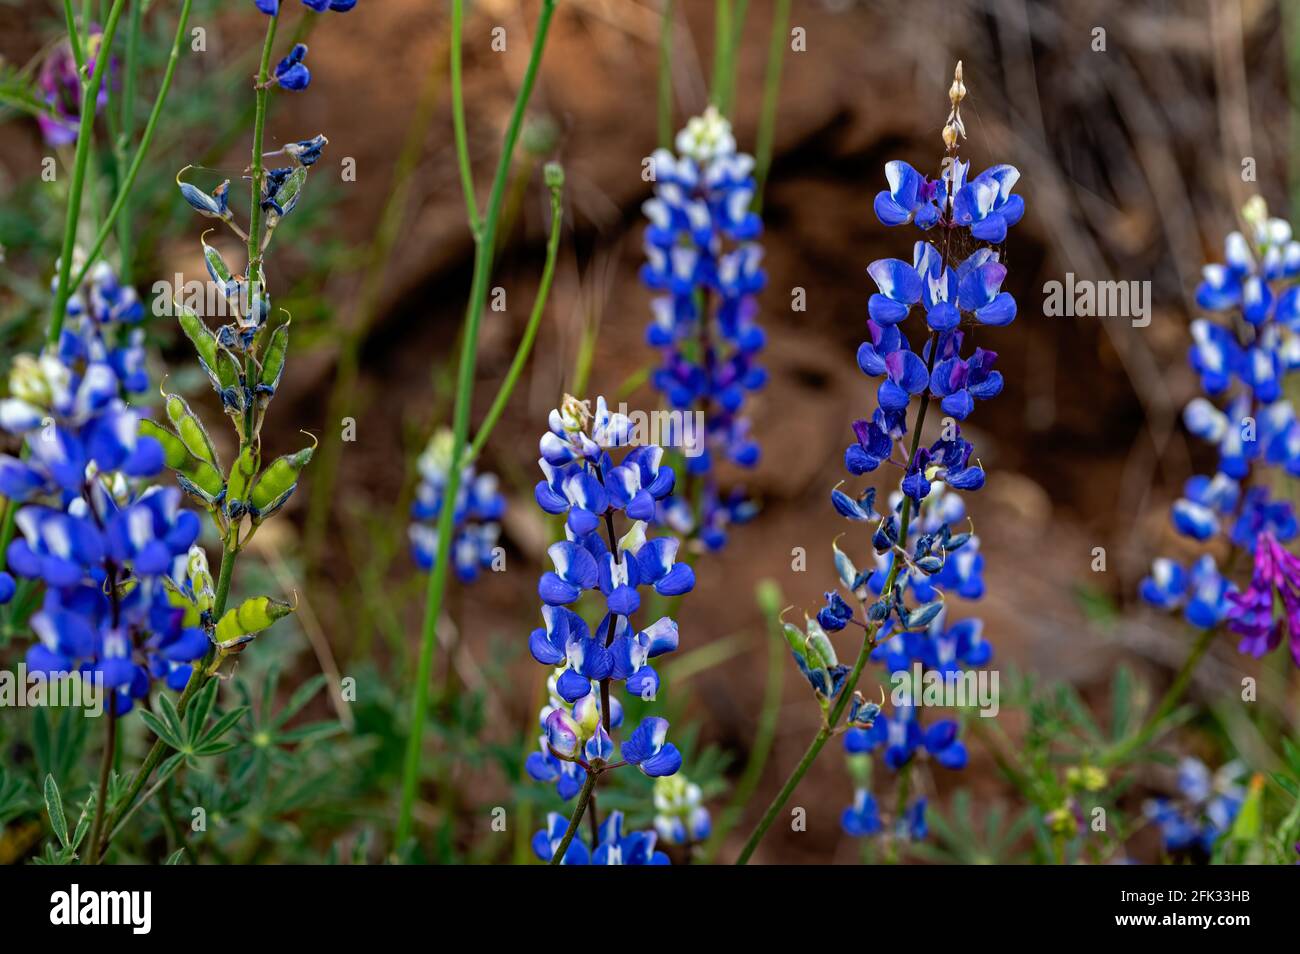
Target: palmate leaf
(162, 729)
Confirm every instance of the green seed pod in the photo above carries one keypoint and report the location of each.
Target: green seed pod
(190, 429)
(174, 452)
(285, 198)
(218, 268)
(240, 476)
(273, 362)
(249, 618)
(277, 483)
(200, 577)
(819, 645)
(202, 481)
(205, 344)
(794, 636)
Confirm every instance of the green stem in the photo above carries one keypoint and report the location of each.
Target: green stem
(868, 643)
(344, 389)
(764, 737)
(105, 768)
(721, 55)
(259, 136)
(666, 75)
(458, 118)
(814, 748)
(484, 243)
(74, 37)
(1291, 33)
(119, 205)
(85, 131)
(771, 87)
(196, 681)
(583, 797)
(530, 331)
(126, 130)
(1167, 704)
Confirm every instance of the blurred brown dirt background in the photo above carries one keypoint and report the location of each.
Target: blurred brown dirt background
(1131, 169)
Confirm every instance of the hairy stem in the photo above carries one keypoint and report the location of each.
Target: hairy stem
(105, 768)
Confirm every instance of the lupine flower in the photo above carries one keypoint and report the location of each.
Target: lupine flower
(935, 562)
(680, 815)
(60, 86)
(614, 848)
(111, 550)
(647, 749)
(582, 481)
(291, 72)
(1204, 810)
(1274, 582)
(478, 510)
(701, 256)
(1256, 428)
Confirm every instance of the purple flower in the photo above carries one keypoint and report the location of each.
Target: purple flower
(1251, 614)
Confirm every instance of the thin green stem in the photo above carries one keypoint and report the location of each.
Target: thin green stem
(119, 205)
(579, 810)
(105, 769)
(819, 740)
(458, 118)
(259, 136)
(74, 37)
(771, 89)
(721, 55)
(484, 244)
(343, 393)
(764, 736)
(85, 132)
(1167, 704)
(868, 643)
(666, 75)
(198, 677)
(1291, 33)
(530, 331)
(126, 130)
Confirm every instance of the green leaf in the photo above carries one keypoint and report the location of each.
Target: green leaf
(160, 729)
(301, 696)
(1292, 752)
(175, 857)
(54, 806)
(1250, 818)
(1121, 694)
(224, 725)
(196, 717)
